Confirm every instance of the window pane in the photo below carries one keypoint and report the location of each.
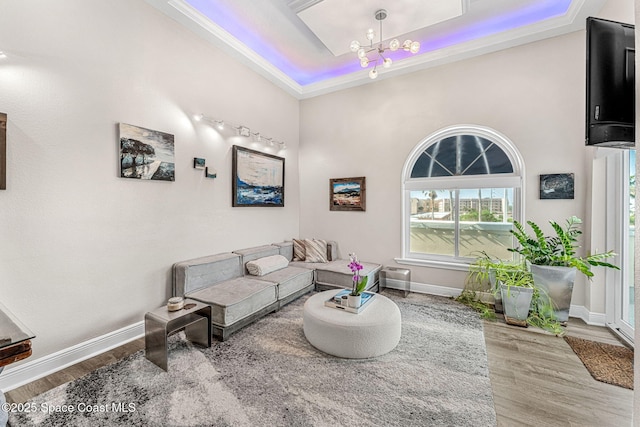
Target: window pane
(494, 160)
(461, 155)
(445, 152)
(425, 167)
(432, 224)
(628, 286)
(486, 216)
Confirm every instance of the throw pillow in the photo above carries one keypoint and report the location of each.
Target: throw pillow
(266, 265)
(316, 250)
(299, 252)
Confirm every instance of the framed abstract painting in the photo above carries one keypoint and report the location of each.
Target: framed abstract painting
(556, 186)
(258, 178)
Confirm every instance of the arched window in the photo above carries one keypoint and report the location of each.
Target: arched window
(462, 189)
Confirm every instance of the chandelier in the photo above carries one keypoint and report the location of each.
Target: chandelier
(363, 52)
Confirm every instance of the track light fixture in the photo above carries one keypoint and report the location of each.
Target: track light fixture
(241, 130)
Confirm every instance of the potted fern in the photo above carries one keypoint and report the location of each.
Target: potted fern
(554, 261)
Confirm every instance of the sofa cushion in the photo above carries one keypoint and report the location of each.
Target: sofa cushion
(316, 250)
(299, 250)
(337, 273)
(285, 249)
(266, 265)
(236, 299)
(193, 274)
(249, 254)
(332, 251)
(290, 280)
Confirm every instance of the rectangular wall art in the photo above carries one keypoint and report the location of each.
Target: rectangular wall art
(3, 151)
(146, 154)
(347, 194)
(556, 186)
(258, 178)
(199, 163)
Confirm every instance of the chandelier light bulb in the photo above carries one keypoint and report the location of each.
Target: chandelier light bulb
(198, 117)
(220, 124)
(380, 49)
(371, 34)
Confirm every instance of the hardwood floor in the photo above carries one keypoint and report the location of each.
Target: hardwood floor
(536, 379)
(27, 391)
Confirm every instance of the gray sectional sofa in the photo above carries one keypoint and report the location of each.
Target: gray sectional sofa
(238, 298)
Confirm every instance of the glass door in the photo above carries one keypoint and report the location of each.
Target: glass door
(624, 297)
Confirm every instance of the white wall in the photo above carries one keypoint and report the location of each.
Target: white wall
(533, 94)
(84, 252)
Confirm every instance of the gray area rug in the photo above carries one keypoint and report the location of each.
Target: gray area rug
(269, 375)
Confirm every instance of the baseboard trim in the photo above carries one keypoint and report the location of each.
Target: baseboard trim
(590, 318)
(579, 311)
(423, 288)
(12, 378)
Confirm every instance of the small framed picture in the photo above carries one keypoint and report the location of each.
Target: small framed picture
(209, 175)
(556, 186)
(347, 194)
(199, 163)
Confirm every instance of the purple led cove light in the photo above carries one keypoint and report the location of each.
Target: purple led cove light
(231, 23)
(225, 18)
(536, 12)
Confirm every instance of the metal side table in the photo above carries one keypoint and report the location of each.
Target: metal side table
(15, 345)
(160, 323)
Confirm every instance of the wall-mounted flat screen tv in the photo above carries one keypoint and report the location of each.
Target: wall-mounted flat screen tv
(611, 112)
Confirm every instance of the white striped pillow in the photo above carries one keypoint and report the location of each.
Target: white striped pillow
(299, 252)
(316, 250)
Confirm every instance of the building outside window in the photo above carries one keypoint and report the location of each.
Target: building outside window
(462, 189)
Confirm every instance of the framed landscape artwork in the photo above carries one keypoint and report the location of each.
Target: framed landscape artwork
(258, 178)
(347, 194)
(556, 186)
(146, 154)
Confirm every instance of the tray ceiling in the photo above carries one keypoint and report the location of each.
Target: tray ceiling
(303, 45)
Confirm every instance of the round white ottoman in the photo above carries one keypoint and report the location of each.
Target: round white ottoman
(372, 332)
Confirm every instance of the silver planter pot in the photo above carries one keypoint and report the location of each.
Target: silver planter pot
(556, 287)
(516, 302)
(495, 290)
